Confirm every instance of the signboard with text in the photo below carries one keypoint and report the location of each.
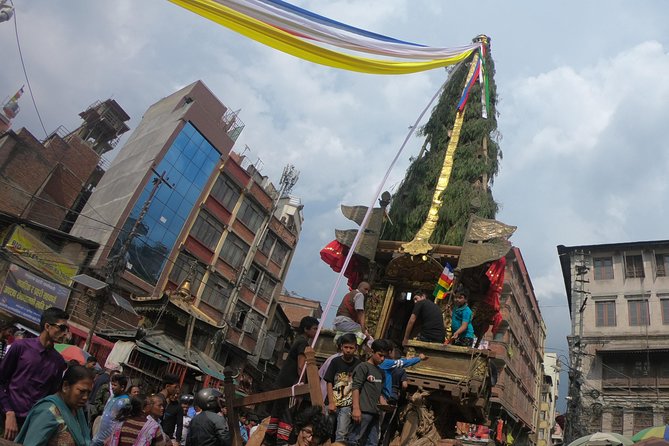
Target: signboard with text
(40, 256)
(28, 295)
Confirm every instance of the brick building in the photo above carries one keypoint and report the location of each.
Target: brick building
(297, 307)
(519, 351)
(42, 181)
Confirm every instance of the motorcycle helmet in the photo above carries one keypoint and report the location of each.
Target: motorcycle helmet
(208, 399)
(186, 399)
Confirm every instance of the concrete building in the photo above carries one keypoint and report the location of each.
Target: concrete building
(546, 433)
(519, 354)
(212, 238)
(618, 296)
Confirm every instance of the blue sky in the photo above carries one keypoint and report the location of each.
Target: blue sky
(582, 101)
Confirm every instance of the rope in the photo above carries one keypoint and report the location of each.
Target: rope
(365, 220)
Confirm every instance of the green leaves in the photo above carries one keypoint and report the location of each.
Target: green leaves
(475, 165)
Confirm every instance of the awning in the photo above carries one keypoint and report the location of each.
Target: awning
(208, 365)
(617, 348)
(152, 353)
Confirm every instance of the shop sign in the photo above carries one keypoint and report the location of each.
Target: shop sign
(26, 295)
(40, 256)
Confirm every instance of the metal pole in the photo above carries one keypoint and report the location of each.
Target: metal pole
(117, 264)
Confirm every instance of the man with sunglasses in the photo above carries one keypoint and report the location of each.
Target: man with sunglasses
(31, 370)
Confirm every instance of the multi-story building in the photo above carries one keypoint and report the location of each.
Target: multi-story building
(549, 395)
(47, 181)
(618, 296)
(519, 349)
(207, 238)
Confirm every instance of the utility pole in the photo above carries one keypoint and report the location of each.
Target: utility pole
(574, 428)
(116, 264)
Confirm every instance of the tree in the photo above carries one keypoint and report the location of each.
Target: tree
(475, 165)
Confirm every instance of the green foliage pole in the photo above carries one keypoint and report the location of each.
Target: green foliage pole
(475, 165)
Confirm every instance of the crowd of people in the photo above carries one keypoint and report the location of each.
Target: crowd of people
(361, 396)
(46, 401)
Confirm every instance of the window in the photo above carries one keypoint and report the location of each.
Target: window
(279, 254)
(267, 244)
(606, 313)
(541, 434)
(617, 420)
(234, 250)
(253, 277)
(217, 292)
(634, 266)
(252, 324)
(207, 229)
(239, 315)
(664, 303)
(251, 214)
(603, 268)
(226, 192)
(643, 418)
(638, 312)
(267, 287)
(661, 265)
(188, 163)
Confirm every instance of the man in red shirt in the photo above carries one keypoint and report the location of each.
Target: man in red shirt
(351, 312)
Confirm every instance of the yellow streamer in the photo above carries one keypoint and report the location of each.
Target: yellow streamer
(283, 41)
(420, 245)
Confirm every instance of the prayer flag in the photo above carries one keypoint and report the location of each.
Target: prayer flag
(445, 282)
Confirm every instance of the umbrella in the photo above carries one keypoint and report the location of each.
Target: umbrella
(652, 442)
(652, 432)
(602, 438)
(70, 352)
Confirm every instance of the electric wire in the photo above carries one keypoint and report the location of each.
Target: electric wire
(25, 72)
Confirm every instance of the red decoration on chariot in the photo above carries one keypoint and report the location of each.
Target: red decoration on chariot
(495, 274)
(334, 254)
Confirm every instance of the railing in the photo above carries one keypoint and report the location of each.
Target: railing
(232, 124)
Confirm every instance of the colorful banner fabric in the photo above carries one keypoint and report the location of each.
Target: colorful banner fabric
(445, 282)
(301, 34)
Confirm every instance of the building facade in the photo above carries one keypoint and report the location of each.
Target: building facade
(618, 296)
(547, 434)
(45, 181)
(207, 239)
(519, 349)
(296, 307)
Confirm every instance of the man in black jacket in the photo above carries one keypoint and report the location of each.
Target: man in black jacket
(208, 428)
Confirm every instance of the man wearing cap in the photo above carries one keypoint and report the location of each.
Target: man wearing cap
(428, 315)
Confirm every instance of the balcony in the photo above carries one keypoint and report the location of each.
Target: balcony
(635, 382)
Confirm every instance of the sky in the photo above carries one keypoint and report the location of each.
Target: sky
(582, 100)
